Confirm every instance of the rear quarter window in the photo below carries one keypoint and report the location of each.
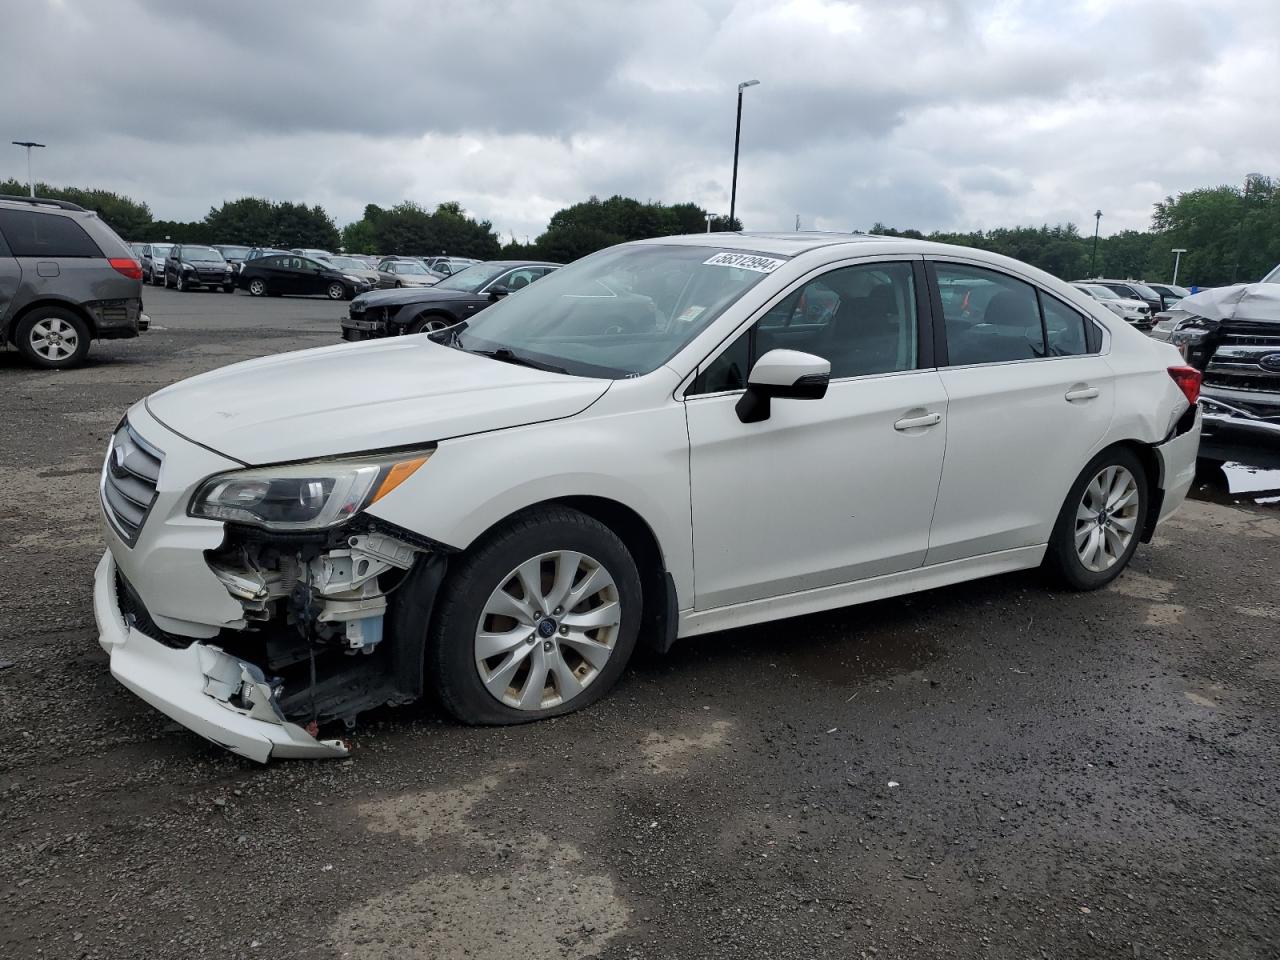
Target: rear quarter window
(36, 234)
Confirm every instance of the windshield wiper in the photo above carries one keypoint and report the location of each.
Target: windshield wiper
(507, 355)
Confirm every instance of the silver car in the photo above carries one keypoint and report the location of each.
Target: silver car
(404, 273)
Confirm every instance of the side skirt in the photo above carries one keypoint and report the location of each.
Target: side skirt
(694, 622)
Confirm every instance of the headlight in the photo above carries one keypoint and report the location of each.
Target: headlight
(347, 276)
(304, 496)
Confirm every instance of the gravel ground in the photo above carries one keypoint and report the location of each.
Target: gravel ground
(989, 770)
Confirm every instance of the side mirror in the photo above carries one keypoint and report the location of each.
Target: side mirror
(498, 292)
(787, 375)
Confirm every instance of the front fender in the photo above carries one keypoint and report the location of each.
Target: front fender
(639, 459)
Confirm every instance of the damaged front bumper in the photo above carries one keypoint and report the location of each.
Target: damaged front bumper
(222, 698)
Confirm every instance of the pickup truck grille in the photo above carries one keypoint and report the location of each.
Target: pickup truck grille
(129, 479)
(1235, 363)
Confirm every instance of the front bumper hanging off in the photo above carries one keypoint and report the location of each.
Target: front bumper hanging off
(222, 698)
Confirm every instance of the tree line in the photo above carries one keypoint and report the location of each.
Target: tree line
(1231, 234)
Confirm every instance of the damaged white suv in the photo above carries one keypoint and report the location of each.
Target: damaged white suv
(663, 439)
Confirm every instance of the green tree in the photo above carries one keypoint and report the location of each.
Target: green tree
(258, 222)
(125, 216)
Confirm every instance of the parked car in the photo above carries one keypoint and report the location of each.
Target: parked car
(1232, 335)
(233, 253)
(1133, 290)
(657, 441)
(442, 267)
(153, 258)
(193, 266)
(312, 252)
(136, 246)
(406, 272)
(1135, 312)
(389, 313)
(355, 267)
(287, 273)
(65, 278)
(256, 252)
(1170, 294)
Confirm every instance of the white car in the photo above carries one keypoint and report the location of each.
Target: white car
(663, 439)
(1133, 311)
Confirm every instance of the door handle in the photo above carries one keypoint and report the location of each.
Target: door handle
(1082, 393)
(928, 420)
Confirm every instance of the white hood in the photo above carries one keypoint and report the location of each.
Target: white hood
(362, 396)
(1243, 303)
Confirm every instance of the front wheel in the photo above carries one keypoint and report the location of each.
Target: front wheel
(257, 287)
(538, 619)
(166, 281)
(336, 291)
(428, 325)
(180, 283)
(1101, 522)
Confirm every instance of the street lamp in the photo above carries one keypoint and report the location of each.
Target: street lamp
(710, 217)
(1177, 259)
(737, 137)
(31, 184)
(1093, 260)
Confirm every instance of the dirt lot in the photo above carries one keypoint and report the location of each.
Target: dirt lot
(989, 770)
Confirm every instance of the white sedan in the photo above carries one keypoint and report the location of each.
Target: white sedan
(1134, 311)
(663, 439)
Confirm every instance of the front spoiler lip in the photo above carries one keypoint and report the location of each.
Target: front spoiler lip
(184, 685)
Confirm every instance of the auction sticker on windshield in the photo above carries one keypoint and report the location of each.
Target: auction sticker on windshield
(745, 261)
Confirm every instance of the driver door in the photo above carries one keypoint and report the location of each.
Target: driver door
(827, 491)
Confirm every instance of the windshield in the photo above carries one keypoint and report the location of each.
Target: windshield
(161, 249)
(347, 263)
(1273, 276)
(201, 253)
(1145, 292)
(473, 278)
(621, 312)
(238, 252)
(1099, 292)
(407, 266)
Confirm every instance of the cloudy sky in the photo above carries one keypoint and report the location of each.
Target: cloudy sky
(931, 114)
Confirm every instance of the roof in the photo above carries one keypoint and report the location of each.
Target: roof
(785, 243)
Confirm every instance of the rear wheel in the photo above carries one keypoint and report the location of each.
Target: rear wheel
(1101, 522)
(538, 619)
(336, 291)
(52, 338)
(257, 287)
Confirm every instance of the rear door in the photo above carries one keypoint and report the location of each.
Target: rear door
(10, 277)
(1030, 398)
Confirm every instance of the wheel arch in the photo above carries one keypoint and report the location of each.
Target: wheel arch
(1146, 454)
(659, 616)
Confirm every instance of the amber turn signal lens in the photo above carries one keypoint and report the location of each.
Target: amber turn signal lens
(396, 476)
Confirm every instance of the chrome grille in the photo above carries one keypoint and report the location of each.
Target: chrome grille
(129, 479)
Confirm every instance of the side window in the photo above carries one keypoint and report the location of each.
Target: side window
(32, 234)
(989, 317)
(1064, 328)
(861, 318)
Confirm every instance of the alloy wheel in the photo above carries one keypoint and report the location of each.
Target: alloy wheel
(337, 291)
(257, 287)
(547, 630)
(1106, 518)
(54, 339)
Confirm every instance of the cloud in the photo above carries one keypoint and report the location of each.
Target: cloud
(925, 114)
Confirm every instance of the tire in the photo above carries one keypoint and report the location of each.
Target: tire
(1076, 535)
(257, 287)
(553, 536)
(399, 285)
(179, 284)
(336, 291)
(166, 280)
(429, 324)
(52, 338)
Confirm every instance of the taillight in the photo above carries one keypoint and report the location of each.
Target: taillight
(1188, 381)
(130, 268)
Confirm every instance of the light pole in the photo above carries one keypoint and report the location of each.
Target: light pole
(1093, 260)
(710, 217)
(1177, 259)
(31, 184)
(737, 138)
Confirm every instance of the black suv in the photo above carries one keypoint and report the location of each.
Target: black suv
(192, 265)
(65, 278)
